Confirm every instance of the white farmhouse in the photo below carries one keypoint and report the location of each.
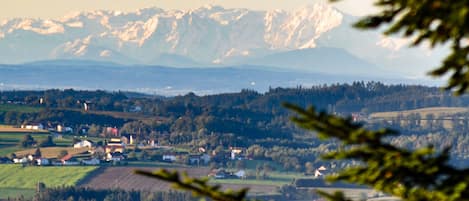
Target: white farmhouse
(171, 157)
(241, 174)
(20, 160)
(83, 143)
(33, 126)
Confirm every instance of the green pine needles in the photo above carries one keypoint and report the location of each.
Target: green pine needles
(420, 174)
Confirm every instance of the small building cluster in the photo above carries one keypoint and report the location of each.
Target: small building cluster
(33, 126)
(55, 128)
(223, 174)
(31, 159)
(120, 148)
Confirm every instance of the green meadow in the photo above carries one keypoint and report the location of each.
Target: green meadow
(9, 141)
(16, 176)
(15, 179)
(18, 108)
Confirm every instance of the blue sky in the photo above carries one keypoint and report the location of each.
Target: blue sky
(57, 8)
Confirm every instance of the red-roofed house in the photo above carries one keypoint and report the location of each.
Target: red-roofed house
(69, 160)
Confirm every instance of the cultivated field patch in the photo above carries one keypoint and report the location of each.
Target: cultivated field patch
(9, 141)
(125, 178)
(6, 193)
(18, 108)
(437, 111)
(16, 176)
(52, 152)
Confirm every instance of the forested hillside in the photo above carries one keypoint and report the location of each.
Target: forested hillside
(247, 118)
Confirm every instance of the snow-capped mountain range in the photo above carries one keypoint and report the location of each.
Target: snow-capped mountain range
(207, 36)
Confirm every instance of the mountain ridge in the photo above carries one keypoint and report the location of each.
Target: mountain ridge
(187, 33)
(206, 36)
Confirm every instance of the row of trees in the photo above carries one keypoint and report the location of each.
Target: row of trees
(346, 98)
(28, 141)
(86, 194)
(245, 114)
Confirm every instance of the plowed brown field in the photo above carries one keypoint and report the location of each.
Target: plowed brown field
(124, 178)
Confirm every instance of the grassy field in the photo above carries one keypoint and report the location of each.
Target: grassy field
(252, 164)
(16, 176)
(6, 193)
(16, 180)
(64, 142)
(52, 152)
(15, 138)
(9, 141)
(6, 151)
(441, 113)
(437, 111)
(18, 108)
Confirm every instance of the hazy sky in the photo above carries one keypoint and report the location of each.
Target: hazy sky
(57, 8)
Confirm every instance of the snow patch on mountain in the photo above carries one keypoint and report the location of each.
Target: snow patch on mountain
(203, 36)
(392, 43)
(44, 27)
(206, 34)
(77, 24)
(105, 53)
(77, 47)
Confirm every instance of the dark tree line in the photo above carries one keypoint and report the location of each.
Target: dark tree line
(247, 118)
(86, 194)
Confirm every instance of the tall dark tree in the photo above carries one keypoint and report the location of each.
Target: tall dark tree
(38, 153)
(47, 142)
(27, 141)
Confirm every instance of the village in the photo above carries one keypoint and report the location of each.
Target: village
(111, 146)
(100, 146)
(123, 150)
